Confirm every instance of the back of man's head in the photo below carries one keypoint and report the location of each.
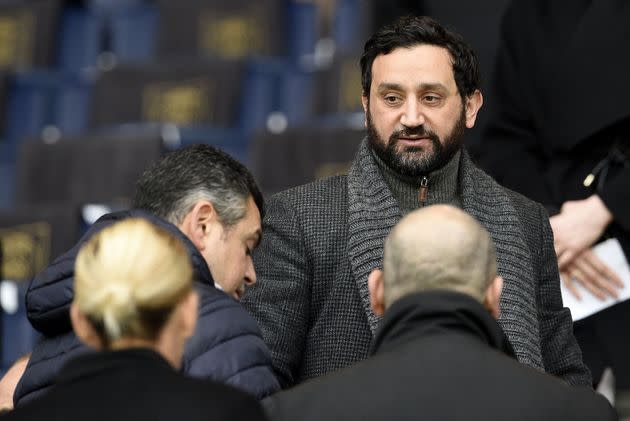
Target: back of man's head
(438, 247)
(171, 187)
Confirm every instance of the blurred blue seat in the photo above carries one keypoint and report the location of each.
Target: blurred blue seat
(40, 98)
(351, 25)
(232, 141)
(30, 97)
(276, 86)
(71, 103)
(112, 6)
(302, 29)
(295, 95)
(28, 107)
(127, 32)
(18, 336)
(259, 97)
(7, 186)
(80, 40)
(133, 33)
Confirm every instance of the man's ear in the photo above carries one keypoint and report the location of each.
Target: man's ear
(377, 292)
(473, 105)
(199, 222)
(84, 329)
(493, 296)
(365, 102)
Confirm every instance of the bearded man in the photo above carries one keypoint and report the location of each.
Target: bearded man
(420, 93)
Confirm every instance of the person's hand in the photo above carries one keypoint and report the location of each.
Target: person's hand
(9, 382)
(588, 270)
(578, 225)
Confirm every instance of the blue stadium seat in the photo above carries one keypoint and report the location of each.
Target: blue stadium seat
(296, 95)
(275, 85)
(133, 33)
(127, 32)
(259, 95)
(351, 25)
(29, 101)
(7, 186)
(302, 25)
(233, 141)
(37, 99)
(112, 6)
(18, 337)
(81, 39)
(71, 103)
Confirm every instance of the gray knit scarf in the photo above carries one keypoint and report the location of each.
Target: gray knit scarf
(373, 212)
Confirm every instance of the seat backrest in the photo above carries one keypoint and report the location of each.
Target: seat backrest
(28, 33)
(96, 169)
(338, 88)
(32, 236)
(301, 155)
(217, 28)
(187, 93)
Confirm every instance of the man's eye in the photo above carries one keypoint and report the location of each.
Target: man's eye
(431, 99)
(390, 99)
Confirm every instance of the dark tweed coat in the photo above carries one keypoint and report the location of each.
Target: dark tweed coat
(321, 241)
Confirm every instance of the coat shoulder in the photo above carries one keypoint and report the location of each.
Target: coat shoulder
(527, 209)
(227, 345)
(327, 191)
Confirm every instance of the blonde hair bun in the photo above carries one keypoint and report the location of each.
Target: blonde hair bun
(129, 274)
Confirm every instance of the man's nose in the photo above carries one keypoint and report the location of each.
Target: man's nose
(250, 274)
(412, 115)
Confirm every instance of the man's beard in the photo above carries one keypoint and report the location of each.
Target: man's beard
(416, 161)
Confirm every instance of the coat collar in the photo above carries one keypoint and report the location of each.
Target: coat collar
(437, 311)
(373, 212)
(95, 363)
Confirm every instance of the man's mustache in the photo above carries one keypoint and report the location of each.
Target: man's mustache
(419, 131)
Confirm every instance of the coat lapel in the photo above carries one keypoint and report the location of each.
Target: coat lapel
(489, 203)
(372, 213)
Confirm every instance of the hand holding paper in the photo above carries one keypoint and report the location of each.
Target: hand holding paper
(611, 254)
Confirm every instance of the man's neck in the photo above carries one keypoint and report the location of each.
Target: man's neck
(442, 185)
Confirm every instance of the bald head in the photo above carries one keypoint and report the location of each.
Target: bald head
(438, 247)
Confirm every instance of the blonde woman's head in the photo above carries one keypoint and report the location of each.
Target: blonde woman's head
(130, 280)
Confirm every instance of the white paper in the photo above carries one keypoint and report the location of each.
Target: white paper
(611, 254)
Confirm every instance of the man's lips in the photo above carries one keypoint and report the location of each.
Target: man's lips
(413, 140)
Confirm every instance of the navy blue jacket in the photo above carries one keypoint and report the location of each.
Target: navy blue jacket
(227, 345)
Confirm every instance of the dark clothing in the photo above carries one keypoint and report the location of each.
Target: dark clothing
(135, 384)
(227, 345)
(322, 240)
(438, 355)
(559, 107)
(546, 133)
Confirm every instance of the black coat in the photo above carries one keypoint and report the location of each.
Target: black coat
(438, 356)
(227, 345)
(559, 102)
(559, 109)
(135, 384)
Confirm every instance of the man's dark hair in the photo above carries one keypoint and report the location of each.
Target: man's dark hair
(410, 31)
(172, 186)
